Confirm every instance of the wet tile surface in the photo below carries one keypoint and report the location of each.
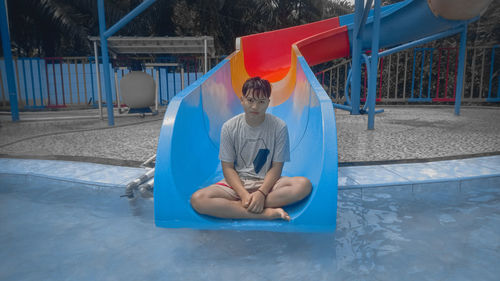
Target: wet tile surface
(345, 180)
(349, 177)
(491, 162)
(73, 231)
(371, 175)
(71, 171)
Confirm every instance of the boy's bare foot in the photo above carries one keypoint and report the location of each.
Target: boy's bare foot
(276, 213)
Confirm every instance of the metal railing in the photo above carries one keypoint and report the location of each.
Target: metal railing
(423, 75)
(58, 82)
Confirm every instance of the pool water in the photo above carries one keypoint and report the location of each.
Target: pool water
(53, 230)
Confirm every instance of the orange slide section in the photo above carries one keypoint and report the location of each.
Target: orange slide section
(271, 55)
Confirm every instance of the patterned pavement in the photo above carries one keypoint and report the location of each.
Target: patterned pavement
(402, 133)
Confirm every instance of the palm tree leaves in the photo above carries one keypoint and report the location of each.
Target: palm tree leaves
(54, 27)
(61, 27)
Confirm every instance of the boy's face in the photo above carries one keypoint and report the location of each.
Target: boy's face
(255, 104)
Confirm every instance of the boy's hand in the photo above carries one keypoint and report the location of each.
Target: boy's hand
(245, 200)
(257, 201)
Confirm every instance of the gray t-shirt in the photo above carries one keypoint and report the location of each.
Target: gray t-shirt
(253, 149)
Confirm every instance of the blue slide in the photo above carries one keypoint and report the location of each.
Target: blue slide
(187, 156)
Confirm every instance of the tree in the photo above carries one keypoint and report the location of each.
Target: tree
(227, 20)
(337, 8)
(61, 27)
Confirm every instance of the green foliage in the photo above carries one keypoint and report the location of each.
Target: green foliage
(61, 27)
(52, 27)
(227, 20)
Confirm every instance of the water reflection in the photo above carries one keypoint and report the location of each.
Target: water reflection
(388, 233)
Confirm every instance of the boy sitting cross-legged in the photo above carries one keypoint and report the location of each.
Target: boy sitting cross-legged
(253, 148)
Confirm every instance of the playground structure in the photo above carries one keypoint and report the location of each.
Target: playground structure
(76, 81)
(298, 99)
(422, 74)
(404, 77)
(66, 82)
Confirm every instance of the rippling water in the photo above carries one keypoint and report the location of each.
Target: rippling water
(64, 231)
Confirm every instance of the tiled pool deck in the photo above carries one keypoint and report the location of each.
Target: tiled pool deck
(402, 150)
(454, 172)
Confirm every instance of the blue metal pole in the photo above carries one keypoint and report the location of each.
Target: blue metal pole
(105, 62)
(422, 74)
(32, 82)
(127, 18)
(366, 11)
(159, 86)
(167, 87)
(92, 81)
(40, 82)
(343, 107)
(461, 69)
(9, 66)
(356, 59)
(430, 75)
(420, 41)
(372, 82)
(105, 34)
(175, 78)
(346, 87)
(368, 71)
(24, 82)
(413, 73)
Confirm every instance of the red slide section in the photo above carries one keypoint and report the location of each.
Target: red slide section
(325, 46)
(268, 54)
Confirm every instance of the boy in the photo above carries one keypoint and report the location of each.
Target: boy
(253, 148)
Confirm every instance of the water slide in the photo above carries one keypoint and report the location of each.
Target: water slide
(187, 156)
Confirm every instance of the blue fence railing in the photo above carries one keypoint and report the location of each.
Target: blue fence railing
(424, 75)
(62, 82)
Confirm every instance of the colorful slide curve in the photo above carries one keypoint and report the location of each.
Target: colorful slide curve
(187, 156)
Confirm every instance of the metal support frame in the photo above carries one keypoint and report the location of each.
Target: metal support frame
(420, 41)
(158, 67)
(428, 97)
(372, 76)
(461, 64)
(157, 88)
(365, 12)
(104, 35)
(492, 67)
(371, 65)
(98, 73)
(360, 16)
(117, 91)
(356, 58)
(460, 70)
(431, 53)
(9, 65)
(40, 82)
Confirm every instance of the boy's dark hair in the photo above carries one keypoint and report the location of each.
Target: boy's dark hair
(257, 85)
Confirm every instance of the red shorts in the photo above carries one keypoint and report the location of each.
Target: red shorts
(251, 185)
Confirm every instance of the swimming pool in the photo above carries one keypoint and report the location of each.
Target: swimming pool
(59, 230)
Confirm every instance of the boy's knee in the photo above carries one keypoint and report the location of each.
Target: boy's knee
(196, 200)
(304, 185)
